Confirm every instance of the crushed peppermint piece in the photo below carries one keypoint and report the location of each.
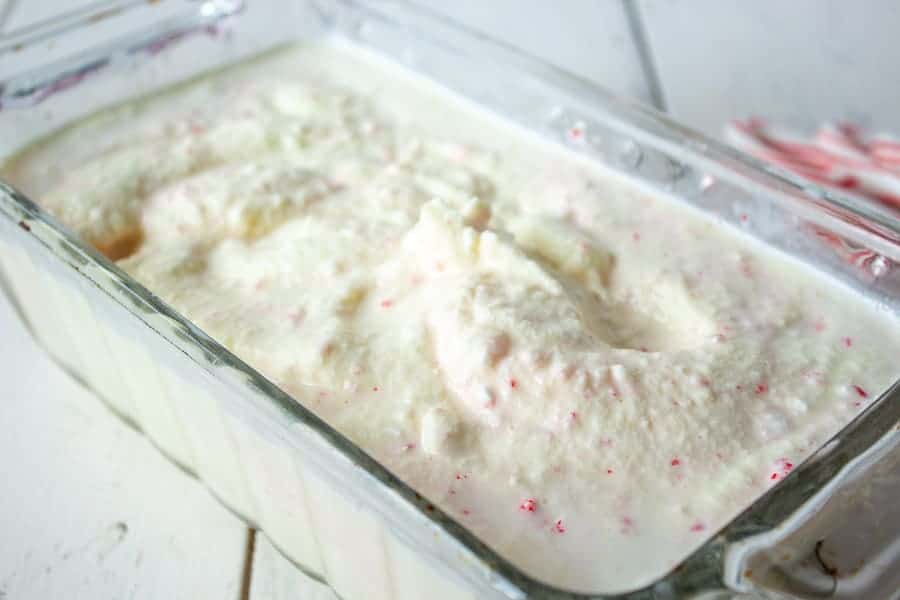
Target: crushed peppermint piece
(528, 505)
(559, 527)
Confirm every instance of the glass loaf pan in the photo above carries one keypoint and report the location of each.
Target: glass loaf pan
(325, 503)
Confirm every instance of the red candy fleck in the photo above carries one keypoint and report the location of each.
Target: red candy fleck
(461, 476)
(744, 217)
(528, 505)
(861, 392)
(576, 133)
(558, 527)
(387, 303)
(675, 462)
(609, 471)
(636, 236)
(761, 388)
(698, 526)
(375, 389)
(513, 383)
(848, 341)
(820, 325)
(786, 467)
(466, 511)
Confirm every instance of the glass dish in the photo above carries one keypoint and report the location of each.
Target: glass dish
(328, 506)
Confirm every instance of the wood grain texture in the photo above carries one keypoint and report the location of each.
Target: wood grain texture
(276, 578)
(798, 63)
(89, 509)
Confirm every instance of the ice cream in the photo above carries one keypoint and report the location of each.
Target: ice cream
(590, 376)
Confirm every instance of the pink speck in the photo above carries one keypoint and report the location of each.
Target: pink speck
(609, 471)
(375, 388)
(461, 476)
(774, 476)
(786, 467)
(644, 349)
(744, 217)
(738, 387)
(606, 442)
(675, 462)
(819, 325)
(848, 341)
(761, 388)
(323, 394)
(576, 133)
(705, 382)
(528, 505)
(860, 392)
(513, 383)
(387, 303)
(466, 511)
(813, 377)
(408, 447)
(636, 236)
(572, 416)
(558, 527)
(698, 526)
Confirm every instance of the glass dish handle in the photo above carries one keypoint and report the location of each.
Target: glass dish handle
(782, 558)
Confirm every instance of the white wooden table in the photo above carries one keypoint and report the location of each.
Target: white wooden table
(90, 509)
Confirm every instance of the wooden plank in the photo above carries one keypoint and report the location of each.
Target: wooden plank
(89, 508)
(276, 578)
